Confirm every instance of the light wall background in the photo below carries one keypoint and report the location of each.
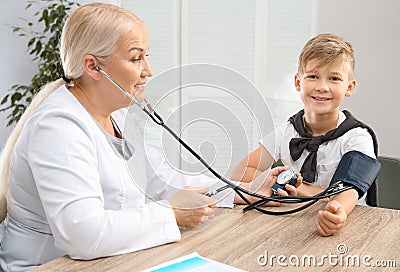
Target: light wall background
(17, 66)
(370, 25)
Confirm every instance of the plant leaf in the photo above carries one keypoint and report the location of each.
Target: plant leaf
(5, 98)
(43, 46)
(15, 97)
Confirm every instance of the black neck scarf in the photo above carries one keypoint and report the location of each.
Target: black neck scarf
(312, 143)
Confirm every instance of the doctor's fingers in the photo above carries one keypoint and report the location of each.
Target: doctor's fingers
(191, 217)
(189, 199)
(210, 202)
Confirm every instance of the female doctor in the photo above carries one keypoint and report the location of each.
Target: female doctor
(75, 183)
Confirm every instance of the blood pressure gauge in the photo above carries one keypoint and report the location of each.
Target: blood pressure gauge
(286, 177)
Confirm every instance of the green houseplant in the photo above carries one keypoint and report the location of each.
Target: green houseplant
(43, 46)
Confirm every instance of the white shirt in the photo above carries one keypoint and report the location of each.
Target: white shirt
(329, 153)
(72, 193)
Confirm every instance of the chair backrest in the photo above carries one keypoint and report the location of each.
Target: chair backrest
(389, 183)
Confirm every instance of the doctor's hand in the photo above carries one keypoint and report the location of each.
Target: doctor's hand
(191, 206)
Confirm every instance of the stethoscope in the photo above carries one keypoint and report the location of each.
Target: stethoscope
(328, 192)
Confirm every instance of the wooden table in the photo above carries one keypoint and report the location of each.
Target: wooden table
(250, 240)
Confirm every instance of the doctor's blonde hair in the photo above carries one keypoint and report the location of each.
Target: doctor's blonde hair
(95, 29)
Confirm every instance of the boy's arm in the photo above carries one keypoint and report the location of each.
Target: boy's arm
(347, 199)
(334, 217)
(251, 166)
(308, 190)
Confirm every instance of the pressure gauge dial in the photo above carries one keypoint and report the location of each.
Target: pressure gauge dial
(286, 177)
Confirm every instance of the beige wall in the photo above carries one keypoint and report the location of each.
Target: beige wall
(372, 26)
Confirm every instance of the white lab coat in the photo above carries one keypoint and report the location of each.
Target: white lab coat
(71, 193)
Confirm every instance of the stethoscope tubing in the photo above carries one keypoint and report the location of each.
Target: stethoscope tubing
(330, 191)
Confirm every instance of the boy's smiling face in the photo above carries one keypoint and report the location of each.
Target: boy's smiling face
(323, 88)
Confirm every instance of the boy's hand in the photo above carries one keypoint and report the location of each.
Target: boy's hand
(290, 189)
(332, 219)
(264, 182)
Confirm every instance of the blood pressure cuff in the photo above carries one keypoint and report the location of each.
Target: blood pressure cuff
(358, 170)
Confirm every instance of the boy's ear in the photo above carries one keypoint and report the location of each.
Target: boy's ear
(297, 82)
(351, 87)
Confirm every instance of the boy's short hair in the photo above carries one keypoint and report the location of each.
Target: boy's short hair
(327, 49)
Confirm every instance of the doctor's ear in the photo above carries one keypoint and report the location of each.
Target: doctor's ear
(92, 67)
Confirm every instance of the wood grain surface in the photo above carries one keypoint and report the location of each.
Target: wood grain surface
(257, 242)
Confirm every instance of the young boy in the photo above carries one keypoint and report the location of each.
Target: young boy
(314, 140)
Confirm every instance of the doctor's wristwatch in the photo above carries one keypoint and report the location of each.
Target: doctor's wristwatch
(286, 177)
